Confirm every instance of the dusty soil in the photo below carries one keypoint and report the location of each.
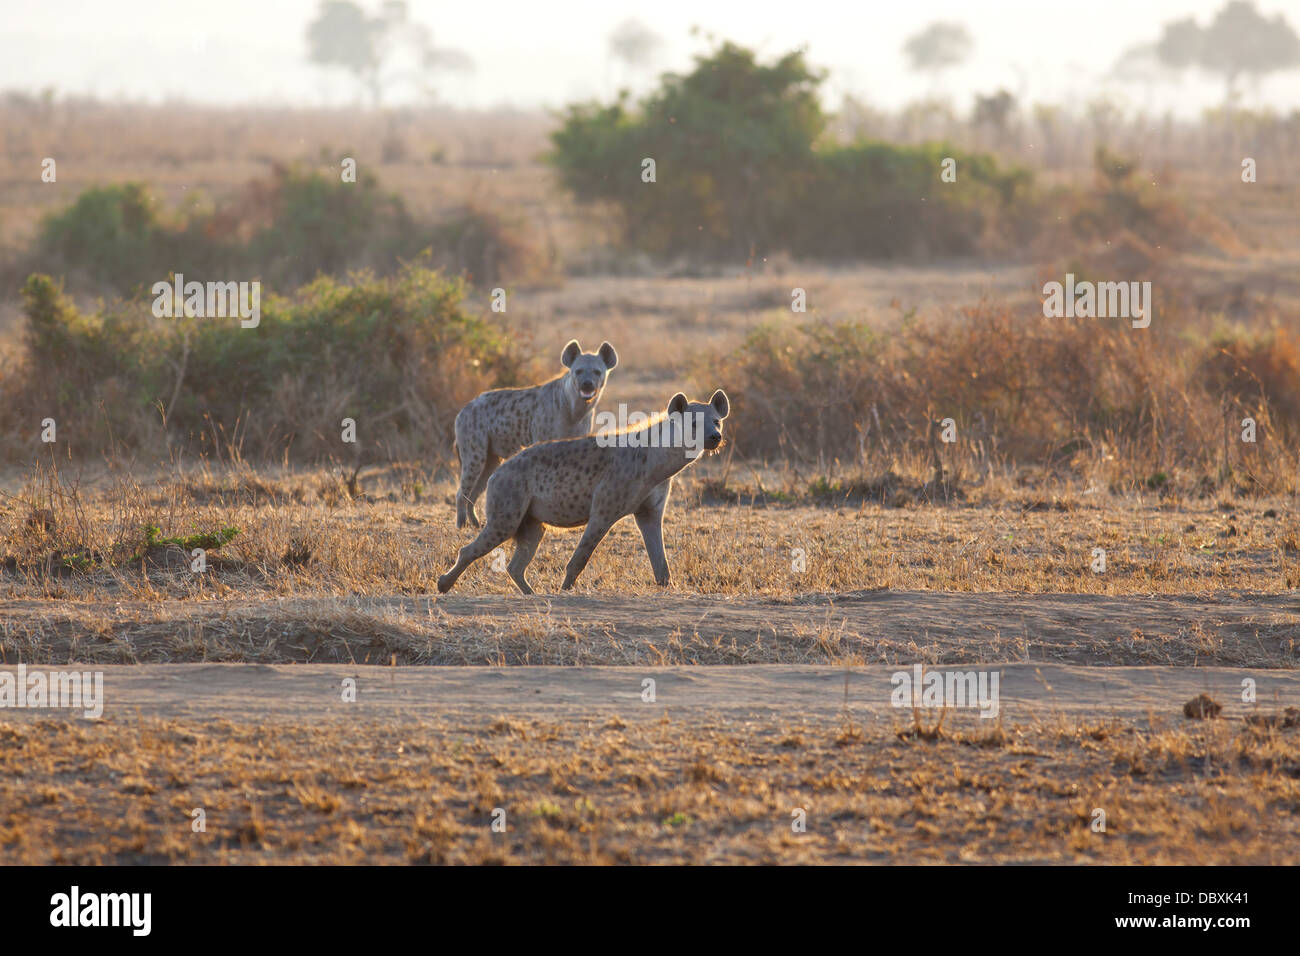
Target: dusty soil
(1220, 628)
(725, 765)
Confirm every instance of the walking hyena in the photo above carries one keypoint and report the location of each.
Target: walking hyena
(498, 423)
(594, 481)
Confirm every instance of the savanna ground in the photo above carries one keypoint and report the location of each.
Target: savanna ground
(223, 689)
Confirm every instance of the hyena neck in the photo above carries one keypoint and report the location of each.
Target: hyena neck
(669, 459)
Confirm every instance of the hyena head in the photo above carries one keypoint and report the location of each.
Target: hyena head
(588, 371)
(700, 422)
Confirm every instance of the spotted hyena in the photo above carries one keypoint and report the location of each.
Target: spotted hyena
(498, 423)
(593, 481)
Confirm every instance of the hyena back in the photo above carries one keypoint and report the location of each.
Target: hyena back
(499, 423)
(595, 481)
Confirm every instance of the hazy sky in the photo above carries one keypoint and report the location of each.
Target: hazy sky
(548, 53)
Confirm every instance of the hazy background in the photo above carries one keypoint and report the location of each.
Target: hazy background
(529, 55)
(799, 146)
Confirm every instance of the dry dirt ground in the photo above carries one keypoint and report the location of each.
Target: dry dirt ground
(772, 689)
(779, 764)
(654, 756)
(896, 627)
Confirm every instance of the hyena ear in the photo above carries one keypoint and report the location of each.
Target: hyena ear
(608, 356)
(720, 403)
(678, 404)
(570, 353)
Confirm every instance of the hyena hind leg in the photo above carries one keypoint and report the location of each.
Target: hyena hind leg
(473, 460)
(527, 538)
(506, 509)
(489, 466)
(490, 537)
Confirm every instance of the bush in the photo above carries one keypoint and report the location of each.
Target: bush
(741, 170)
(284, 230)
(1123, 201)
(400, 356)
(877, 200)
(321, 225)
(1026, 390)
(1255, 369)
(483, 246)
(112, 235)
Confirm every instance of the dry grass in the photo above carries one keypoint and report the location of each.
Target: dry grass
(662, 791)
(303, 534)
(317, 575)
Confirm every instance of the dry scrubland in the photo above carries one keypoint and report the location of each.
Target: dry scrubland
(974, 554)
(669, 790)
(319, 576)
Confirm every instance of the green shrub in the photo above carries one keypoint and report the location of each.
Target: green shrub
(111, 234)
(742, 169)
(284, 231)
(485, 247)
(400, 356)
(878, 200)
(322, 225)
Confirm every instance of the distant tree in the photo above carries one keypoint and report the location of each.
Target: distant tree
(1240, 41)
(994, 110)
(1180, 44)
(730, 162)
(634, 44)
(938, 47)
(344, 35)
(731, 141)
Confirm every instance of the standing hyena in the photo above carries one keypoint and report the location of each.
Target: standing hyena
(498, 423)
(593, 481)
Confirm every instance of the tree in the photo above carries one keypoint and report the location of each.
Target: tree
(731, 141)
(730, 162)
(634, 44)
(1180, 44)
(1240, 41)
(994, 110)
(343, 35)
(938, 47)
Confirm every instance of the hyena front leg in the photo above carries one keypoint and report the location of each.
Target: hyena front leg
(489, 538)
(651, 523)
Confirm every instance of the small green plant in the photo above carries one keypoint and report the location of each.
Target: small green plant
(546, 809)
(78, 561)
(208, 541)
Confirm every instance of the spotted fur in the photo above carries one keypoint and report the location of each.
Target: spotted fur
(587, 481)
(499, 423)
